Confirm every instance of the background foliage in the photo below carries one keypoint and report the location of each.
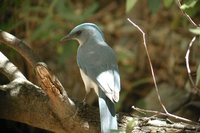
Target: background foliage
(43, 23)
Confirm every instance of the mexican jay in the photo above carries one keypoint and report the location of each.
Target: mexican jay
(99, 70)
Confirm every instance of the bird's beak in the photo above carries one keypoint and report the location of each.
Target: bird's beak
(65, 38)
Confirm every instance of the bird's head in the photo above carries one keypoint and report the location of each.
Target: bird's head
(83, 32)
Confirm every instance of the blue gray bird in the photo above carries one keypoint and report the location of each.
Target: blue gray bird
(99, 71)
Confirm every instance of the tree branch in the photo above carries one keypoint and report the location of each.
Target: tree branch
(8, 69)
(57, 104)
(27, 103)
(20, 46)
(150, 64)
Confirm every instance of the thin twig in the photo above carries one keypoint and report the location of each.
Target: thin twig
(152, 72)
(190, 45)
(186, 15)
(164, 114)
(151, 66)
(187, 61)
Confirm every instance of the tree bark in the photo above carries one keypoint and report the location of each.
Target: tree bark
(48, 107)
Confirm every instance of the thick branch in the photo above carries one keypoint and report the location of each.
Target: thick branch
(20, 46)
(60, 104)
(8, 69)
(24, 102)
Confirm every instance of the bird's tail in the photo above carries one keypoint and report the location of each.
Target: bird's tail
(107, 113)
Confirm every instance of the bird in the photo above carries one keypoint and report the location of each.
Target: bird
(99, 70)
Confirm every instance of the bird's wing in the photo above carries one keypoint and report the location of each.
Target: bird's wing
(99, 63)
(109, 82)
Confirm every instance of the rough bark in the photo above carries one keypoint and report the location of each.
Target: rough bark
(48, 107)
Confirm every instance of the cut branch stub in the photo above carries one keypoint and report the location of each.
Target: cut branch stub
(50, 84)
(56, 92)
(46, 80)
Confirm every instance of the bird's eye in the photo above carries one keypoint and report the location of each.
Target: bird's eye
(78, 33)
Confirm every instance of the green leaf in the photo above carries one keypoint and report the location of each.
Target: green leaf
(154, 5)
(130, 4)
(167, 3)
(195, 31)
(188, 4)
